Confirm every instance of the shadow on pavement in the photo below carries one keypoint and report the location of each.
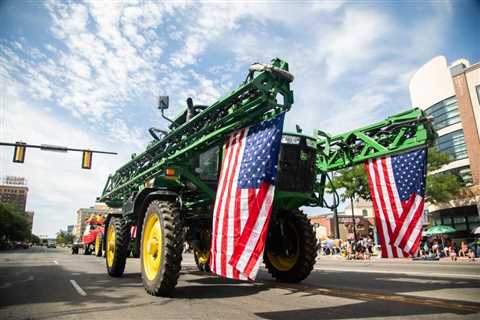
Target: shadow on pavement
(372, 295)
(357, 310)
(212, 287)
(51, 283)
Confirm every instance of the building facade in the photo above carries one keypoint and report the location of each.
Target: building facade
(14, 190)
(450, 95)
(324, 226)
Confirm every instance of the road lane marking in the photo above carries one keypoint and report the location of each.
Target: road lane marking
(55, 261)
(408, 273)
(78, 288)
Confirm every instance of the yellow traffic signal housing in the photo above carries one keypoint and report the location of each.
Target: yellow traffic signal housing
(19, 152)
(87, 159)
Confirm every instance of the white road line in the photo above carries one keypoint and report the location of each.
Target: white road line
(408, 273)
(78, 288)
(55, 261)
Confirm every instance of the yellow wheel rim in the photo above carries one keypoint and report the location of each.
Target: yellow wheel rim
(152, 246)
(97, 245)
(202, 256)
(110, 244)
(282, 262)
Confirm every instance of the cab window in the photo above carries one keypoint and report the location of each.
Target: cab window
(207, 166)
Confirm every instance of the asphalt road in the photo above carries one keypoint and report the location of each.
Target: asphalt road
(40, 283)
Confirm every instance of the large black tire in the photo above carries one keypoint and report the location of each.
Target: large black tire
(98, 245)
(116, 262)
(299, 237)
(161, 280)
(86, 250)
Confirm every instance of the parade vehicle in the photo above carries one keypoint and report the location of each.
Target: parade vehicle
(167, 193)
(92, 238)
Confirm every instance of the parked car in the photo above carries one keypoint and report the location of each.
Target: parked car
(51, 244)
(21, 245)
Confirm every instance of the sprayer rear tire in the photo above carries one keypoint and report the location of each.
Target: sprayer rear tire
(98, 245)
(117, 240)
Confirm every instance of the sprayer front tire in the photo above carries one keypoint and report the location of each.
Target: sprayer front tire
(296, 263)
(161, 247)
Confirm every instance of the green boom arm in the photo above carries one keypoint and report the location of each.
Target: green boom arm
(405, 131)
(255, 100)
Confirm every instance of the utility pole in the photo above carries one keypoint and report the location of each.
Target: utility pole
(335, 212)
(353, 219)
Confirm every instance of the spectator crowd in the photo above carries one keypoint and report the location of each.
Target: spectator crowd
(431, 248)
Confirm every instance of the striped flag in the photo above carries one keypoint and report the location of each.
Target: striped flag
(397, 188)
(244, 199)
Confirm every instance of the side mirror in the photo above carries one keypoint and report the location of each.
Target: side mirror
(163, 102)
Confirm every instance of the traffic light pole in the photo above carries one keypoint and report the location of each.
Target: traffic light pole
(20, 150)
(47, 147)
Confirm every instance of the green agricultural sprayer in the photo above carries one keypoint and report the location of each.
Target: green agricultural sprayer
(167, 192)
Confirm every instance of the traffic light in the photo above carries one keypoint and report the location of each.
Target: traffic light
(87, 159)
(19, 152)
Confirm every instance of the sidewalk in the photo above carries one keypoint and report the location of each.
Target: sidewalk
(445, 260)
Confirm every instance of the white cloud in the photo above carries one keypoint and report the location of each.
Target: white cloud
(57, 184)
(354, 42)
(351, 63)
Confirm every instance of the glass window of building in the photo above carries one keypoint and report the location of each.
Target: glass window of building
(444, 113)
(364, 212)
(453, 144)
(478, 93)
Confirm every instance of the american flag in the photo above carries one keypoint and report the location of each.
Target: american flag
(397, 188)
(244, 199)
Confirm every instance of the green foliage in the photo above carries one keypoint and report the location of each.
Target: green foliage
(14, 225)
(444, 186)
(436, 159)
(35, 239)
(64, 237)
(353, 181)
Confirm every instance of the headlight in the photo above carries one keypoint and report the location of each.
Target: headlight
(311, 143)
(290, 139)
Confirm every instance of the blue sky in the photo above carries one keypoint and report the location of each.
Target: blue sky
(88, 74)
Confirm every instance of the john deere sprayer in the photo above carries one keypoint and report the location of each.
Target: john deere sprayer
(167, 193)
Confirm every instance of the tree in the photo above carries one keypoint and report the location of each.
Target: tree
(14, 224)
(443, 186)
(64, 237)
(35, 239)
(354, 182)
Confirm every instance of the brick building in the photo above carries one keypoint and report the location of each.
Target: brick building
(14, 190)
(324, 226)
(450, 94)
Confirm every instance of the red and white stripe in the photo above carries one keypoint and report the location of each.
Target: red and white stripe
(240, 218)
(399, 225)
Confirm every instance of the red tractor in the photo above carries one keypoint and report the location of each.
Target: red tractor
(92, 237)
